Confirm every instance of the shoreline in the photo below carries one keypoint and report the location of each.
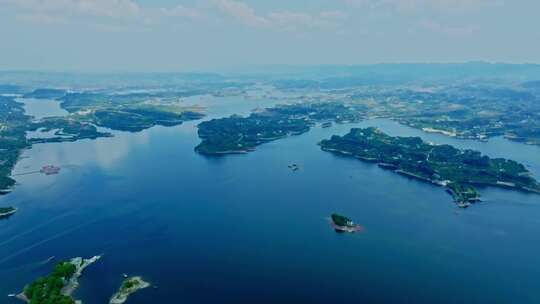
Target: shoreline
(72, 283)
(80, 264)
(9, 213)
(136, 283)
(439, 183)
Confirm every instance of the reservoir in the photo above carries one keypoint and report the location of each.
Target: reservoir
(245, 228)
(40, 108)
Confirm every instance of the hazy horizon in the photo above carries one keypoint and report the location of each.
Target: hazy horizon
(207, 35)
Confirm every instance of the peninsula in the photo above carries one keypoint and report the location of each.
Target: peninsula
(128, 287)
(13, 124)
(456, 170)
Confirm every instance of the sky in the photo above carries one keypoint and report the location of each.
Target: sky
(189, 35)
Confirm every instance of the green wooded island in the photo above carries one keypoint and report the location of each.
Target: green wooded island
(13, 125)
(342, 223)
(237, 134)
(456, 170)
(59, 285)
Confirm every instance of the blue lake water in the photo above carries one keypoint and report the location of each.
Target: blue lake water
(245, 228)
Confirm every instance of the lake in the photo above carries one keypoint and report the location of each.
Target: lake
(245, 228)
(40, 108)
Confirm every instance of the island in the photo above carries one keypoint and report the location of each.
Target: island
(132, 112)
(341, 223)
(456, 170)
(128, 287)
(6, 212)
(59, 285)
(237, 134)
(63, 129)
(135, 119)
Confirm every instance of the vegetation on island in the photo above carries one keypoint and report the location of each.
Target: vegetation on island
(129, 112)
(341, 220)
(65, 129)
(88, 111)
(6, 209)
(471, 111)
(47, 290)
(129, 286)
(341, 224)
(237, 134)
(458, 170)
(139, 118)
(59, 285)
(463, 193)
(13, 125)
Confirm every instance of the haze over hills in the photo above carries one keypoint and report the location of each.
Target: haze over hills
(335, 75)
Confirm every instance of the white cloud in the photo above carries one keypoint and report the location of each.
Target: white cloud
(280, 20)
(181, 11)
(99, 14)
(40, 19)
(336, 15)
(128, 15)
(104, 8)
(242, 12)
(453, 31)
(412, 5)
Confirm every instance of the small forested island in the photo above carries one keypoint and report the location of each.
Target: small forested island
(7, 211)
(237, 134)
(344, 224)
(128, 287)
(59, 285)
(443, 165)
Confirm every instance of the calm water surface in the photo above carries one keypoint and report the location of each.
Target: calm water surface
(244, 228)
(39, 108)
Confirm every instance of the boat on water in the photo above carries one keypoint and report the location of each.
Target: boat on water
(326, 124)
(341, 223)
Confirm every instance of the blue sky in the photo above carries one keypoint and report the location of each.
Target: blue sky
(181, 35)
